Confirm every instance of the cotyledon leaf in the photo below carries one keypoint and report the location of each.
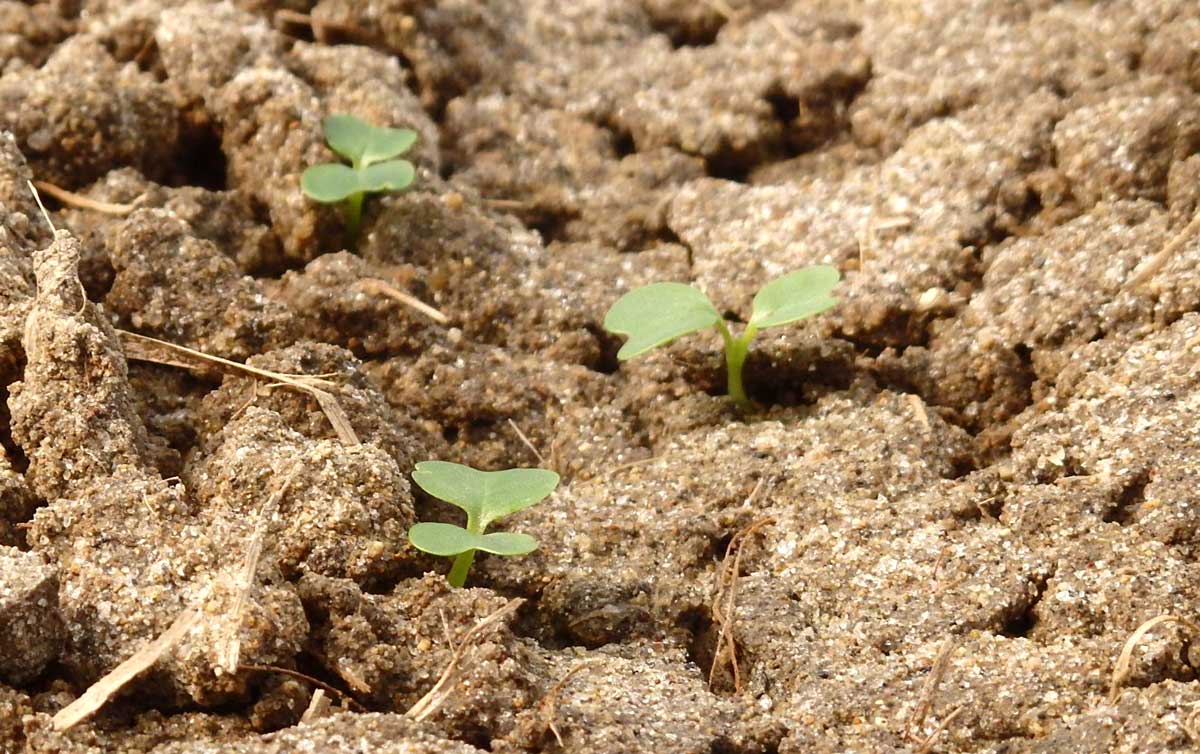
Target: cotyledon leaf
(484, 495)
(448, 539)
(386, 143)
(329, 182)
(795, 296)
(334, 182)
(658, 313)
(386, 176)
(364, 144)
(347, 135)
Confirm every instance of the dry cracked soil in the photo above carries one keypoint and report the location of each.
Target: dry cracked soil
(957, 497)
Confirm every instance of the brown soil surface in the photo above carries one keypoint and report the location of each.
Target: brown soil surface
(959, 492)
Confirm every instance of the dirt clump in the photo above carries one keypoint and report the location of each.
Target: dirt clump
(21, 231)
(1150, 130)
(17, 502)
(28, 616)
(501, 409)
(391, 649)
(82, 114)
(394, 430)
(74, 384)
(347, 508)
(201, 299)
(226, 218)
(89, 471)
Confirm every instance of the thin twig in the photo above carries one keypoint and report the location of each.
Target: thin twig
(139, 344)
(142, 347)
(727, 616)
(937, 564)
(532, 448)
(288, 16)
(549, 704)
(318, 707)
(724, 608)
(1122, 668)
(634, 464)
(506, 203)
(45, 215)
(380, 287)
(230, 655)
(447, 636)
(945, 723)
(1159, 260)
(113, 681)
(918, 407)
(346, 698)
(925, 701)
(437, 695)
(1190, 727)
(83, 202)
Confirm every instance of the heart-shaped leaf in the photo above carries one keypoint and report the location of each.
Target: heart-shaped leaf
(329, 183)
(334, 182)
(392, 175)
(364, 144)
(484, 495)
(795, 296)
(386, 143)
(448, 539)
(658, 313)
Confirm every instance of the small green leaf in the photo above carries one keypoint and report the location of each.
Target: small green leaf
(329, 183)
(795, 296)
(347, 135)
(658, 313)
(364, 144)
(484, 495)
(508, 543)
(386, 143)
(441, 539)
(448, 539)
(386, 176)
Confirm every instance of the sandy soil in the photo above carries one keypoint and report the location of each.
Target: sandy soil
(959, 492)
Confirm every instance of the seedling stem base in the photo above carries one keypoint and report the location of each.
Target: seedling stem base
(736, 350)
(458, 572)
(352, 215)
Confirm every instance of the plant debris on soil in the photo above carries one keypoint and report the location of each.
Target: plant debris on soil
(962, 515)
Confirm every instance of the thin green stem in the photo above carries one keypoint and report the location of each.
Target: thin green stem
(736, 351)
(462, 562)
(352, 214)
(458, 572)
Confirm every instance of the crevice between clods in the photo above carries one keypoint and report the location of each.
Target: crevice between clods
(1126, 504)
(1021, 619)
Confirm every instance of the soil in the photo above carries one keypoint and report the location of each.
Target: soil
(958, 493)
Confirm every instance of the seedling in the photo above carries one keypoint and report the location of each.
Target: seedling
(658, 313)
(485, 496)
(370, 150)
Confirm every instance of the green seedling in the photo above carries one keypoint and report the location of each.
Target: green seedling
(370, 150)
(485, 496)
(661, 312)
